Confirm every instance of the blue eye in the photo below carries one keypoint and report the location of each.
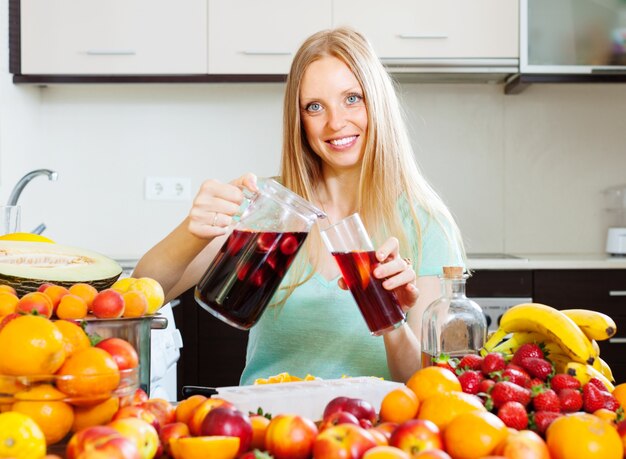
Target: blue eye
(314, 107)
(354, 98)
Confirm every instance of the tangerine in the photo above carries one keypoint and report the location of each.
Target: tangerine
(579, 435)
(31, 345)
(399, 405)
(8, 303)
(431, 380)
(85, 291)
(89, 374)
(385, 452)
(71, 307)
(20, 436)
(74, 337)
(444, 407)
(474, 435)
(215, 447)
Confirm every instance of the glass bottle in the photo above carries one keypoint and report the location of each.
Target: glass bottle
(452, 324)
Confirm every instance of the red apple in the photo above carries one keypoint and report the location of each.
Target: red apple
(199, 413)
(134, 411)
(231, 423)
(162, 409)
(35, 302)
(361, 409)
(345, 441)
(416, 435)
(338, 417)
(108, 304)
(139, 431)
(101, 441)
(171, 431)
(289, 436)
(122, 352)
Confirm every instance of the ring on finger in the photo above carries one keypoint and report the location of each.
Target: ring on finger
(408, 261)
(215, 219)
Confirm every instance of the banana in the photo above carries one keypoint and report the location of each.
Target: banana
(584, 373)
(516, 340)
(604, 368)
(594, 324)
(596, 346)
(556, 326)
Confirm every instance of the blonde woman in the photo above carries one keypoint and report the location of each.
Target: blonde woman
(346, 149)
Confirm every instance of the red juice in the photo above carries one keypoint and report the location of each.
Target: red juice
(245, 274)
(380, 308)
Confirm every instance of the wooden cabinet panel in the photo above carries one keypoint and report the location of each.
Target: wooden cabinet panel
(500, 283)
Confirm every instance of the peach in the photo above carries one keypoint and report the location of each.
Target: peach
(143, 434)
(135, 304)
(200, 412)
(135, 411)
(137, 398)
(108, 304)
(101, 441)
(171, 431)
(122, 351)
(35, 302)
(72, 307)
(162, 409)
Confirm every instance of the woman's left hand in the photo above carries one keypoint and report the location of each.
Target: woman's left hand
(397, 274)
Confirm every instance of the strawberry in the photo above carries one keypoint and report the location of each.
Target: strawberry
(541, 420)
(592, 398)
(546, 400)
(571, 400)
(536, 382)
(506, 391)
(485, 386)
(470, 381)
(525, 351)
(514, 415)
(492, 362)
(471, 362)
(564, 381)
(445, 361)
(516, 376)
(599, 384)
(537, 368)
(610, 402)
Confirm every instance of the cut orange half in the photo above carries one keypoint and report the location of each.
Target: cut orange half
(215, 447)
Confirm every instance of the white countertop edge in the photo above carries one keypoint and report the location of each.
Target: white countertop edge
(550, 261)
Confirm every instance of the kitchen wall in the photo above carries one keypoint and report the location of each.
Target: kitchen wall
(521, 173)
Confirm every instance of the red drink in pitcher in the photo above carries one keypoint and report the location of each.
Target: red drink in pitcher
(379, 307)
(245, 274)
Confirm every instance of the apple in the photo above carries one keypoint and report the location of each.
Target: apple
(143, 434)
(101, 441)
(170, 431)
(122, 352)
(523, 444)
(199, 413)
(416, 435)
(228, 422)
(361, 409)
(35, 302)
(162, 409)
(345, 441)
(338, 417)
(108, 304)
(139, 412)
(290, 436)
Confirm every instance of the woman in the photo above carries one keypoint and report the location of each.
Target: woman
(346, 149)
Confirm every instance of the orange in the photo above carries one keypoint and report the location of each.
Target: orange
(72, 307)
(44, 406)
(579, 435)
(31, 345)
(95, 415)
(259, 426)
(399, 405)
(74, 337)
(185, 408)
(619, 393)
(215, 447)
(385, 452)
(443, 408)
(85, 291)
(431, 380)
(20, 436)
(8, 302)
(474, 435)
(135, 304)
(89, 374)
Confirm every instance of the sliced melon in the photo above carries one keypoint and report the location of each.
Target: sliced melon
(27, 265)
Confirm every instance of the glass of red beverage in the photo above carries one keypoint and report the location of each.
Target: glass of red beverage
(246, 272)
(352, 248)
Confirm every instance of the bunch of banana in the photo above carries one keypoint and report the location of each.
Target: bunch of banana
(568, 336)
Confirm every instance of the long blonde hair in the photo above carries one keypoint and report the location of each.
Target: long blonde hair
(389, 170)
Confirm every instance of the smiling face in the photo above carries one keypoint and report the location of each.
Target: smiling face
(334, 115)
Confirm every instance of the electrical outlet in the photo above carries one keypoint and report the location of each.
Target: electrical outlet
(168, 188)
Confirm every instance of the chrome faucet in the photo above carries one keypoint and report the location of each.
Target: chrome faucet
(19, 187)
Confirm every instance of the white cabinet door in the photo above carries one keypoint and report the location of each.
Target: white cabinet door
(113, 37)
(261, 37)
(448, 29)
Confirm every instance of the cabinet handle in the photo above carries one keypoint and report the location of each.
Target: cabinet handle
(257, 52)
(617, 340)
(110, 52)
(421, 36)
(617, 292)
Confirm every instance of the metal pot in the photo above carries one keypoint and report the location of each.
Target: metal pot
(134, 330)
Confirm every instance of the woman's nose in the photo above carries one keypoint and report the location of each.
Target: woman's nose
(337, 118)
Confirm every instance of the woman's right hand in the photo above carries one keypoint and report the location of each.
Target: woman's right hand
(215, 205)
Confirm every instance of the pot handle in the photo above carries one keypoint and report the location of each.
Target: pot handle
(158, 323)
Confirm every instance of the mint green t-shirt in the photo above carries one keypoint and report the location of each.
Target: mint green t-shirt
(320, 331)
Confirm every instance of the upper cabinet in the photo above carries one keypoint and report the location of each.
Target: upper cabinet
(113, 37)
(252, 37)
(434, 29)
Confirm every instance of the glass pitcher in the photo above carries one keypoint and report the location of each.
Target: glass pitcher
(244, 275)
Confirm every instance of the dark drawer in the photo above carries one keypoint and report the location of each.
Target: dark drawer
(500, 283)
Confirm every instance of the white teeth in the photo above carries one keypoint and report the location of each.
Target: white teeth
(344, 141)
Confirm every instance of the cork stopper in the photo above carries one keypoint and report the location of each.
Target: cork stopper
(453, 272)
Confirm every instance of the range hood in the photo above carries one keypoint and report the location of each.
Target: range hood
(571, 41)
(451, 70)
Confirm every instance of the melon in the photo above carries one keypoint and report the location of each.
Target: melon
(27, 265)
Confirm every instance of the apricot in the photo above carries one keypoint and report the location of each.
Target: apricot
(55, 293)
(35, 302)
(7, 288)
(8, 303)
(72, 307)
(135, 304)
(85, 291)
(153, 291)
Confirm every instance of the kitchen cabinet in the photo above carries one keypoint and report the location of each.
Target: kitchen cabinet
(113, 37)
(249, 37)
